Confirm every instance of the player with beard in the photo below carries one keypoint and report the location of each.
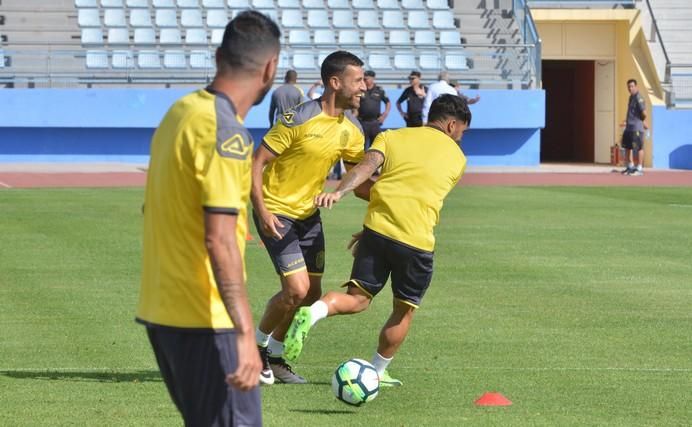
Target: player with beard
(289, 169)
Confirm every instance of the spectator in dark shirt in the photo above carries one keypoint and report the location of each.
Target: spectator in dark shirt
(414, 96)
(286, 96)
(369, 113)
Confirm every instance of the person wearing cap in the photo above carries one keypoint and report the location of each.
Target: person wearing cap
(440, 87)
(369, 112)
(457, 87)
(414, 96)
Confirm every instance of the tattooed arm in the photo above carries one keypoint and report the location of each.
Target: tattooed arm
(354, 178)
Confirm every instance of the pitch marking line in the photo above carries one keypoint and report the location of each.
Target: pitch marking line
(2, 184)
(676, 205)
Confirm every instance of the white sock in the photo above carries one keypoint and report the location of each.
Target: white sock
(261, 338)
(640, 168)
(380, 362)
(275, 348)
(630, 165)
(318, 311)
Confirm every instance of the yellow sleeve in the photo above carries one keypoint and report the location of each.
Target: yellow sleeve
(380, 143)
(354, 151)
(280, 137)
(225, 176)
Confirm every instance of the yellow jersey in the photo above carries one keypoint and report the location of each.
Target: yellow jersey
(201, 158)
(307, 143)
(421, 166)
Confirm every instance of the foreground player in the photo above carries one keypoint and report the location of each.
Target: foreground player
(397, 237)
(289, 170)
(193, 300)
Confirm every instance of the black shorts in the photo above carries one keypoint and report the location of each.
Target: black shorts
(194, 366)
(302, 245)
(632, 140)
(378, 256)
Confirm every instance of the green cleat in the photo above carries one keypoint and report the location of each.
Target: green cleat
(387, 381)
(297, 333)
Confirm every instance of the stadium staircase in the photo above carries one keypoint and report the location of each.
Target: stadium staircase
(171, 42)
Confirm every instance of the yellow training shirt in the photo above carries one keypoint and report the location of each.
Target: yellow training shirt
(201, 157)
(308, 143)
(421, 166)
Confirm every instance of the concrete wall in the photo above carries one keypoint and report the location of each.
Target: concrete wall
(73, 125)
(673, 136)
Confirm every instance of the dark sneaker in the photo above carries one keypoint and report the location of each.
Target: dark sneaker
(266, 374)
(637, 172)
(627, 171)
(283, 372)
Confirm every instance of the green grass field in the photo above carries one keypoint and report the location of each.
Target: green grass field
(575, 303)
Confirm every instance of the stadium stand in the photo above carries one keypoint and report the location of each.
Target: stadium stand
(142, 39)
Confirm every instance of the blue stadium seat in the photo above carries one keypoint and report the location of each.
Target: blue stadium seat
(122, 59)
(412, 4)
(217, 18)
(140, 18)
(92, 37)
(148, 59)
(187, 4)
(438, 4)
(321, 57)
(393, 19)
(166, 18)
(429, 61)
(456, 61)
(239, 4)
(211, 4)
(170, 36)
(379, 61)
(424, 38)
(200, 59)
(144, 37)
(400, 38)
(288, 4)
(338, 4)
(94, 59)
(304, 60)
(2, 58)
(118, 37)
(318, 18)
(191, 18)
(363, 4)
(349, 38)
(450, 38)
(367, 19)
(418, 20)
(313, 4)
(342, 19)
(263, 4)
(324, 37)
(133, 4)
(291, 18)
(284, 60)
(196, 36)
(85, 3)
(405, 61)
(443, 19)
(299, 37)
(114, 18)
(216, 37)
(163, 3)
(373, 38)
(271, 13)
(388, 4)
(174, 59)
(111, 3)
(88, 18)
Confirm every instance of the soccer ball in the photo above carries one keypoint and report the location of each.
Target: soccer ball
(355, 382)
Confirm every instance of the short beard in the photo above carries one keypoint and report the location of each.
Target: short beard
(263, 93)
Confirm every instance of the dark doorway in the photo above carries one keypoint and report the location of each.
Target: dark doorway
(568, 135)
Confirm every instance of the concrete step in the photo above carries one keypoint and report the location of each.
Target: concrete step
(36, 5)
(45, 20)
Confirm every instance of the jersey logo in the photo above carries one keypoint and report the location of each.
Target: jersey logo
(234, 147)
(344, 139)
(288, 117)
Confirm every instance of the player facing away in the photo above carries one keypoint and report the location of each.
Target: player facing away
(289, 170)
(193, 299)
(420, 166)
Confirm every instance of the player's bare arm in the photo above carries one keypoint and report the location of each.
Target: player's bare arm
(268, 221)
(353, 178)
(363, 190)
(227, 266)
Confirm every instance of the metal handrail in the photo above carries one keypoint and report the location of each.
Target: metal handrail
(529, 35)
(667, 76)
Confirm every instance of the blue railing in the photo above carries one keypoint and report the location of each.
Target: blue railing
(529, 35)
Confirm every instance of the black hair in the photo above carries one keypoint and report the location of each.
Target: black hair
(247, 37)
(631, 81)
(291, 76)
(336, 63)
(450, 106)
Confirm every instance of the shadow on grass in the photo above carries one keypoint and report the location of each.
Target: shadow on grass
(70, 375)
(323, 411)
